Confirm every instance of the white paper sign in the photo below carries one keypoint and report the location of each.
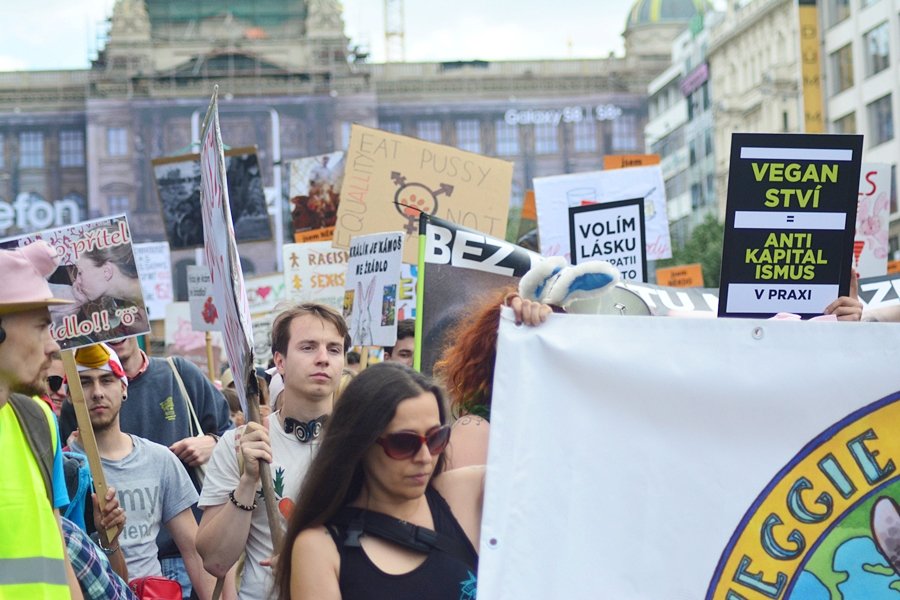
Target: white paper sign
(205, 314)
(265, 292)
(555, 195)
(684, 454)
(155, 270)
(370, 300)
(315, 272)
(870, 246)
(222, 255)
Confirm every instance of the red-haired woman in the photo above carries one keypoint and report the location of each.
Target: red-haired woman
(466, 370)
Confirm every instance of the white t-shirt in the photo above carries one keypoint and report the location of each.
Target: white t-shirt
(290, 461)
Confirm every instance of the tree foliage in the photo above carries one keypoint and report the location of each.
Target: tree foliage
(704, 247)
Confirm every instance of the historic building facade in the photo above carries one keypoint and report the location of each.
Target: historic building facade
(79, 144)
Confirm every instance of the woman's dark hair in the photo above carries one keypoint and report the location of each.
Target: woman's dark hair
(335, 477)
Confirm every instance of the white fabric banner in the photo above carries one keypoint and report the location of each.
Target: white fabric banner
(641, 458)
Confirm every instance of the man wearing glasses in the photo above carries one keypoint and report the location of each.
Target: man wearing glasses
(308, 343)
(56, 378)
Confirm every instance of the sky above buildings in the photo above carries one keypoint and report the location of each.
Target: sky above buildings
(63, 34)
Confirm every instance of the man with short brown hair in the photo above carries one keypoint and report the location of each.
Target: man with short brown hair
(308, 342)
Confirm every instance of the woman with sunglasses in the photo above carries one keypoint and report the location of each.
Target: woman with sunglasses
(382, 453)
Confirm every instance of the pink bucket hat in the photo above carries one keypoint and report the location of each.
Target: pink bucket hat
(23, 273)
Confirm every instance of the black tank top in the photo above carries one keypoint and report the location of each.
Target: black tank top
(440, 577)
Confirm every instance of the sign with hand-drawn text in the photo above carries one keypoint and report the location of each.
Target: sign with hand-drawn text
(754, 469)
(613, 232)
(788, 223)
(315, 272)
(555, 195)
(370, 300)
(155, 269)
(265, 292)
(222, 257)
(97, 271)
(390, 179)
(205, 314)
(870, 245)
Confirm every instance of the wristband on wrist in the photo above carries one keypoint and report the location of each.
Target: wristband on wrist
(239, 505)
(213, 436)
(107, 551)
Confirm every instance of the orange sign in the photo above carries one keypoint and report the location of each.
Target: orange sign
(894, 266)
(621, 161)
(529, 210)
(681, 276)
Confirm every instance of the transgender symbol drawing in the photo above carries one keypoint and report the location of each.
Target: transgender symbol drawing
(411, 199)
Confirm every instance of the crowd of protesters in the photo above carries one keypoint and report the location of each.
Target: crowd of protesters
(377, 472)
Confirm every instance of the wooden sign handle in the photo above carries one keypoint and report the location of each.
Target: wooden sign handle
(86, 434)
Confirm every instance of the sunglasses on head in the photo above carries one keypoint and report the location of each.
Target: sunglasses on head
(55, 382)
(404, 444)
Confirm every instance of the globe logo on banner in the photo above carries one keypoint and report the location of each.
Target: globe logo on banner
(827, 525)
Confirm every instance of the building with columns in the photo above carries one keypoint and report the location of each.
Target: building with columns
(78, 144)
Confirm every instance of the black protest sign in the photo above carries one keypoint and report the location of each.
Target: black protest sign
(789, 223)
(459, 266)
(611, 231)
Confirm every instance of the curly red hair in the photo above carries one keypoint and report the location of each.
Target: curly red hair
(466, 367)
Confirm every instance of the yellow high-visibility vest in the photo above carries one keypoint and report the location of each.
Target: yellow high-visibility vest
(32, 565)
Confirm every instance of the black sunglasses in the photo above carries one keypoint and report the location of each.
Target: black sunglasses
(55, 382)
(403, 444)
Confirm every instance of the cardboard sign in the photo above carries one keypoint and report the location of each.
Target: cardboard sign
(178, 186)
(789, 223)
(97, 270)
(315, 195)
(681, 276)
(624, 161)
(612, 231)
(870, 244)
(390, 179)
(671, 407)
(222, 255)
(205, 314)
(459, 266)
(155, 269)
(315, 272)
(370, 301)
(555, 195)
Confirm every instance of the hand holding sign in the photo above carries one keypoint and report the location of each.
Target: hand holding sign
(847, 308)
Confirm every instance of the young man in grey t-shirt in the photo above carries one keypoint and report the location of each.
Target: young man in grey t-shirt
(152, 486)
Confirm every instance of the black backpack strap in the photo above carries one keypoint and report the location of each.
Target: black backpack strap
(357, 521)
(34, 425)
